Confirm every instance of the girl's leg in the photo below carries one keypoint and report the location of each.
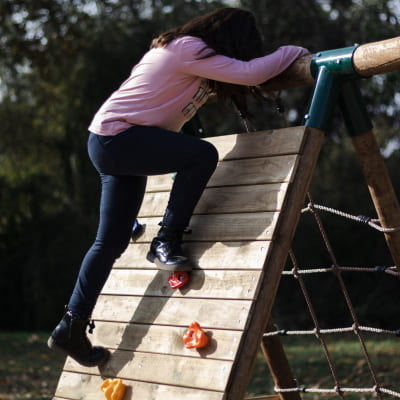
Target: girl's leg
(157, 151)
(154, 151)
(121, 198)
(120, 202)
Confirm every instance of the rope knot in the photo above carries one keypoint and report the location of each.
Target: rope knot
(337, 390)
(377, 389)
(363, 219)
(380, 268)
(317, 333)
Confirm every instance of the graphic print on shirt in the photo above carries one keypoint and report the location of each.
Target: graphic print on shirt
(199, 98)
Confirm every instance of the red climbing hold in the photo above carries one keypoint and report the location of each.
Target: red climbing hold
(195, 337)
(178, 279)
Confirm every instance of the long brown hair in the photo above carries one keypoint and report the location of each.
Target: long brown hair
(231, 32)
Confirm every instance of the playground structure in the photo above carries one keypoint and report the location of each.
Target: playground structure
(242, 230)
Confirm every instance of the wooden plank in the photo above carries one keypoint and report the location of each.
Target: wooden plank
(77, 386)
(205, 255)
(222, 227)
(231, 199)
(212, 313)
(239, 172)
(164, 339)
(254, 171)
(274, 264)
(159, 183)
(217, 284)
(269, 143)
(191, 372)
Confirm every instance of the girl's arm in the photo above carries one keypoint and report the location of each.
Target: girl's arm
(225, 69)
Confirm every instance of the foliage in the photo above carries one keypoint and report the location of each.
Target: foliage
(29, 371)
(61, 59)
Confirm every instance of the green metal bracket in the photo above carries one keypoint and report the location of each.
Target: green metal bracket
(323, 100)
(338, 61)
(334, 82)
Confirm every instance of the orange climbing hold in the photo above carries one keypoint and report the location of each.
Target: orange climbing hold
(195, 337)
(113, 389)
(178, 279)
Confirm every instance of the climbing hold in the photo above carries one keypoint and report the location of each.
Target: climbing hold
(178, 279)
(195, 337)
(113, 389)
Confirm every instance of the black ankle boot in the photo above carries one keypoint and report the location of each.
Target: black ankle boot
(166, 252)
(69, 337)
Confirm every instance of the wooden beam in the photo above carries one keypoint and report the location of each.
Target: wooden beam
(297, 75)
(377, 57)
(368, 59)
(278, 363)
(380, 188)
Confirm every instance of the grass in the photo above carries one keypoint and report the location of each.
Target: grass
(28, 370)
(310, 368)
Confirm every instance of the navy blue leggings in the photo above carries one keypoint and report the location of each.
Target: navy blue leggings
(124, 161)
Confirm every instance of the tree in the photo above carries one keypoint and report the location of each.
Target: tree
(62, 58)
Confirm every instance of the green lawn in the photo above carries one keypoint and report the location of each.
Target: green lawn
(310, 368)
(28, 370)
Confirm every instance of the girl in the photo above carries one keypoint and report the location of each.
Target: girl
(135, 134)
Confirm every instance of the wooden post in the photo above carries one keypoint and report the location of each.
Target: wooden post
(380, 188)
(278, 364)
(269, 283)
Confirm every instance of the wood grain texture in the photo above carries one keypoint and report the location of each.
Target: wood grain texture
(221, 227)
(162, 369)
(218, 284)
(248, 171)
(205, 255)
(226, 199)
(81, 386)
(274, 264)
(152, 338)
(244, 218)
(378, 57)
(211, 313)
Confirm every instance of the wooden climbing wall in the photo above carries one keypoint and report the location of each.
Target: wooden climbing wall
(241, 232)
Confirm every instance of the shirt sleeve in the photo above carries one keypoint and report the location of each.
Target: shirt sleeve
(225, 69)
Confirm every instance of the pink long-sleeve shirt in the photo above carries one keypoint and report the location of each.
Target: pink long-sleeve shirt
(169, 84)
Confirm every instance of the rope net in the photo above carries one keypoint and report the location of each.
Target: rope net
(376, 388)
